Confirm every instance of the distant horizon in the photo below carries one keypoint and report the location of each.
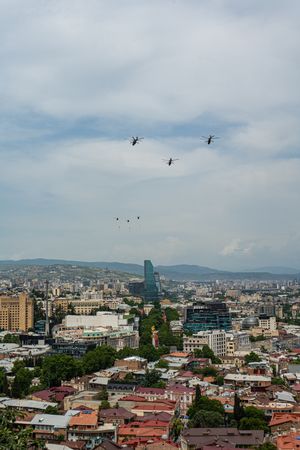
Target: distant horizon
(242, 269)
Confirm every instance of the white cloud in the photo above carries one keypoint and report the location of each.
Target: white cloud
(162, 69)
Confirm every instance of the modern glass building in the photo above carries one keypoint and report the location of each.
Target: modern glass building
(151, 282)
(207, 316)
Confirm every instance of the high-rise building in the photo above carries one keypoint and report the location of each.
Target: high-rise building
(151, 282)
(16, 313)
(207, 316)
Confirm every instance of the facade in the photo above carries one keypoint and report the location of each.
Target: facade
(16, 313)
(267, 322)
(85, 307)
(207, 316)
(215, 339)
(151, 283)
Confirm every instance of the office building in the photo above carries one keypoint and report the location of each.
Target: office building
(16, 313)
(151, 283)
(215, 339)
(207, 316)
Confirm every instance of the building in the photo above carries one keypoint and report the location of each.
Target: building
(267, 322)
(207, 316)
(16, 313)
(193, 438)
(151, 282)
(215, 339)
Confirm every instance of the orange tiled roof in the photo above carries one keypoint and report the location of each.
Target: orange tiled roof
(288, 442)
(279, 418)
(85, 418)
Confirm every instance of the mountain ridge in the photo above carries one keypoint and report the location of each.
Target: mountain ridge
(178, 272)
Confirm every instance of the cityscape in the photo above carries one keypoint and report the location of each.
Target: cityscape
(149, 232)
(102, 359)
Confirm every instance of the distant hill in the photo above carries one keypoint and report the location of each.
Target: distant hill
(180, 272)
(277, 270)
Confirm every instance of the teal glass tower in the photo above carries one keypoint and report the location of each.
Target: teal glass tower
(151, 282)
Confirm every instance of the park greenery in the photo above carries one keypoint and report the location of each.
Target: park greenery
(14, 438)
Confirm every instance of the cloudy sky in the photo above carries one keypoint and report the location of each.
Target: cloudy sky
(79, 77)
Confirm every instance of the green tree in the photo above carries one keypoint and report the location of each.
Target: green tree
(206, 352)
(266, 446)
(176, 428)
(255, 413)
(171, 314)
(278, 381)
(205, 404)
(220, 380)
(197, 400)
(13, 438)
(253, 424)
(252, 357)
(152, 379)
(11, 339)
(21, 384)
(105, 404)
(162, 364)
(4, 387)
(203, 419)
(238, 410)
(102, 394)
(98, 359)
(57, 368)
(52, 410)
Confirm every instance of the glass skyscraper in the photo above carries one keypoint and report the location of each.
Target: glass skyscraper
(207, 316)
(151, 282)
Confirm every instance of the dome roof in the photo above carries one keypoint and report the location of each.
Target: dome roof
(250, 322)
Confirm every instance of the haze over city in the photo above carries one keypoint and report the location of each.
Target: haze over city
(78, 79)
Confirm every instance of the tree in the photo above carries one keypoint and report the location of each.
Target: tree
(56, 368)
(12, 439)
(266, 446)
(171, 314)
(176, 428)
(220, 380)
(205, 404)
(11, 339)
(152, 379)
(253, 424)
(98, 359)
(278, 381)
(4, 387)
(255, 413)
(162, 364)
(21, 384)
(202, 418)
(103, 394)
(252, 357)
(206, 352)
(197, 401)
(105, 404)
(51, 410)
(238, 410)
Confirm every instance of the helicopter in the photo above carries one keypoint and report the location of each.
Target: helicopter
(135, 140)
(170, 161)
(210, 138)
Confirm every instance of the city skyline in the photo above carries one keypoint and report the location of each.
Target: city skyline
(79, 80)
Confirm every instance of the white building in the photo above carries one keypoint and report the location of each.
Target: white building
(104, 319)
(215, 339)
(268, 323)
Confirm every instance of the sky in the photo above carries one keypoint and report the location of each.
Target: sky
(78, 78)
